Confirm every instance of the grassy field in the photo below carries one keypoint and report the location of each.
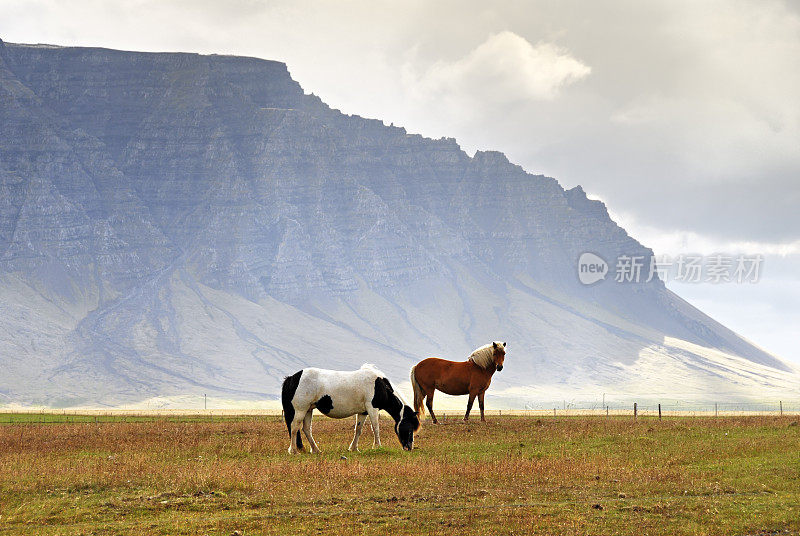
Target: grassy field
(514, 475)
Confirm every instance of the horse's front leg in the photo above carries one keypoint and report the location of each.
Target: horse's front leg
(360, 418)
(376, 427)
(307, 432)
(469, 406)
(480, 404)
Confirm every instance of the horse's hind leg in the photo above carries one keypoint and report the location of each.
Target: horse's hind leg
(429, 404)
(307, 431)
(297, 443)
(360, 418)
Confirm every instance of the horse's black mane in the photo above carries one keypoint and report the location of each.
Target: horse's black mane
(386, 399)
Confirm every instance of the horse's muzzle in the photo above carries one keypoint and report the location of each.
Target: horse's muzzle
(499, 368)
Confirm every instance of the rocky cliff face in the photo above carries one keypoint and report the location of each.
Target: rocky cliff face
(177, 223)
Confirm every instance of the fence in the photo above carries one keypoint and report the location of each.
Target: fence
(670, 408)
(56, 416)
(633, 409)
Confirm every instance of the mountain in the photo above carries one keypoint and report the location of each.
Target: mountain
(177, 224)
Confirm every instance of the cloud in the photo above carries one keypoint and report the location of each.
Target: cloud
(672, 242)
(505, 68)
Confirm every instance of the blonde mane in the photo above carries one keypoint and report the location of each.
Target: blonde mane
(483, 356)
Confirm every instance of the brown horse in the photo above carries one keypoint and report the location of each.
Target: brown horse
(471, 377)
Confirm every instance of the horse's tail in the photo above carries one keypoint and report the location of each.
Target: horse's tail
(418, 394)
(288, 390)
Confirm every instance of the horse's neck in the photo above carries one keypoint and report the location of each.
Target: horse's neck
(395, 407)
(491, 370)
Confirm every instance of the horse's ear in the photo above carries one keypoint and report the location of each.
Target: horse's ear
(504, 345)
(494, 344)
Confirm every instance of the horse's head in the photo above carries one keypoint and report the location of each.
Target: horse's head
(406, 426)
(499, 354)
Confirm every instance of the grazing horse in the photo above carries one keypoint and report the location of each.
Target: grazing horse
(471, 377)
(338, 394)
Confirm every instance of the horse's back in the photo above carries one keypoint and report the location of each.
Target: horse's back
(346, 391)
(438, 364)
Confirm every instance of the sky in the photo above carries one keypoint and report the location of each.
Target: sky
(682, 116)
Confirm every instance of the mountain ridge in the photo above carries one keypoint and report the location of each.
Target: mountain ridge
(170, 206)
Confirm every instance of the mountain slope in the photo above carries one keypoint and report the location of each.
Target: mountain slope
(178, 223)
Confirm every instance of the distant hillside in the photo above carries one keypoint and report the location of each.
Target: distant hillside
(178, 223)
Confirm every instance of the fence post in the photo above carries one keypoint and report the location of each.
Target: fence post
(781, 403)
(659, 412)
(606, 411)
(716, 410)
(554, 413)
(634, 412)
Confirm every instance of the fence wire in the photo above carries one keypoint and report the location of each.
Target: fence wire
(649, 408)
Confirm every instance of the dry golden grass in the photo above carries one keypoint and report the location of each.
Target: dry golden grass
(515, 475)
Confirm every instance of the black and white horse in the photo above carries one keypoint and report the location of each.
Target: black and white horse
(338, 394)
